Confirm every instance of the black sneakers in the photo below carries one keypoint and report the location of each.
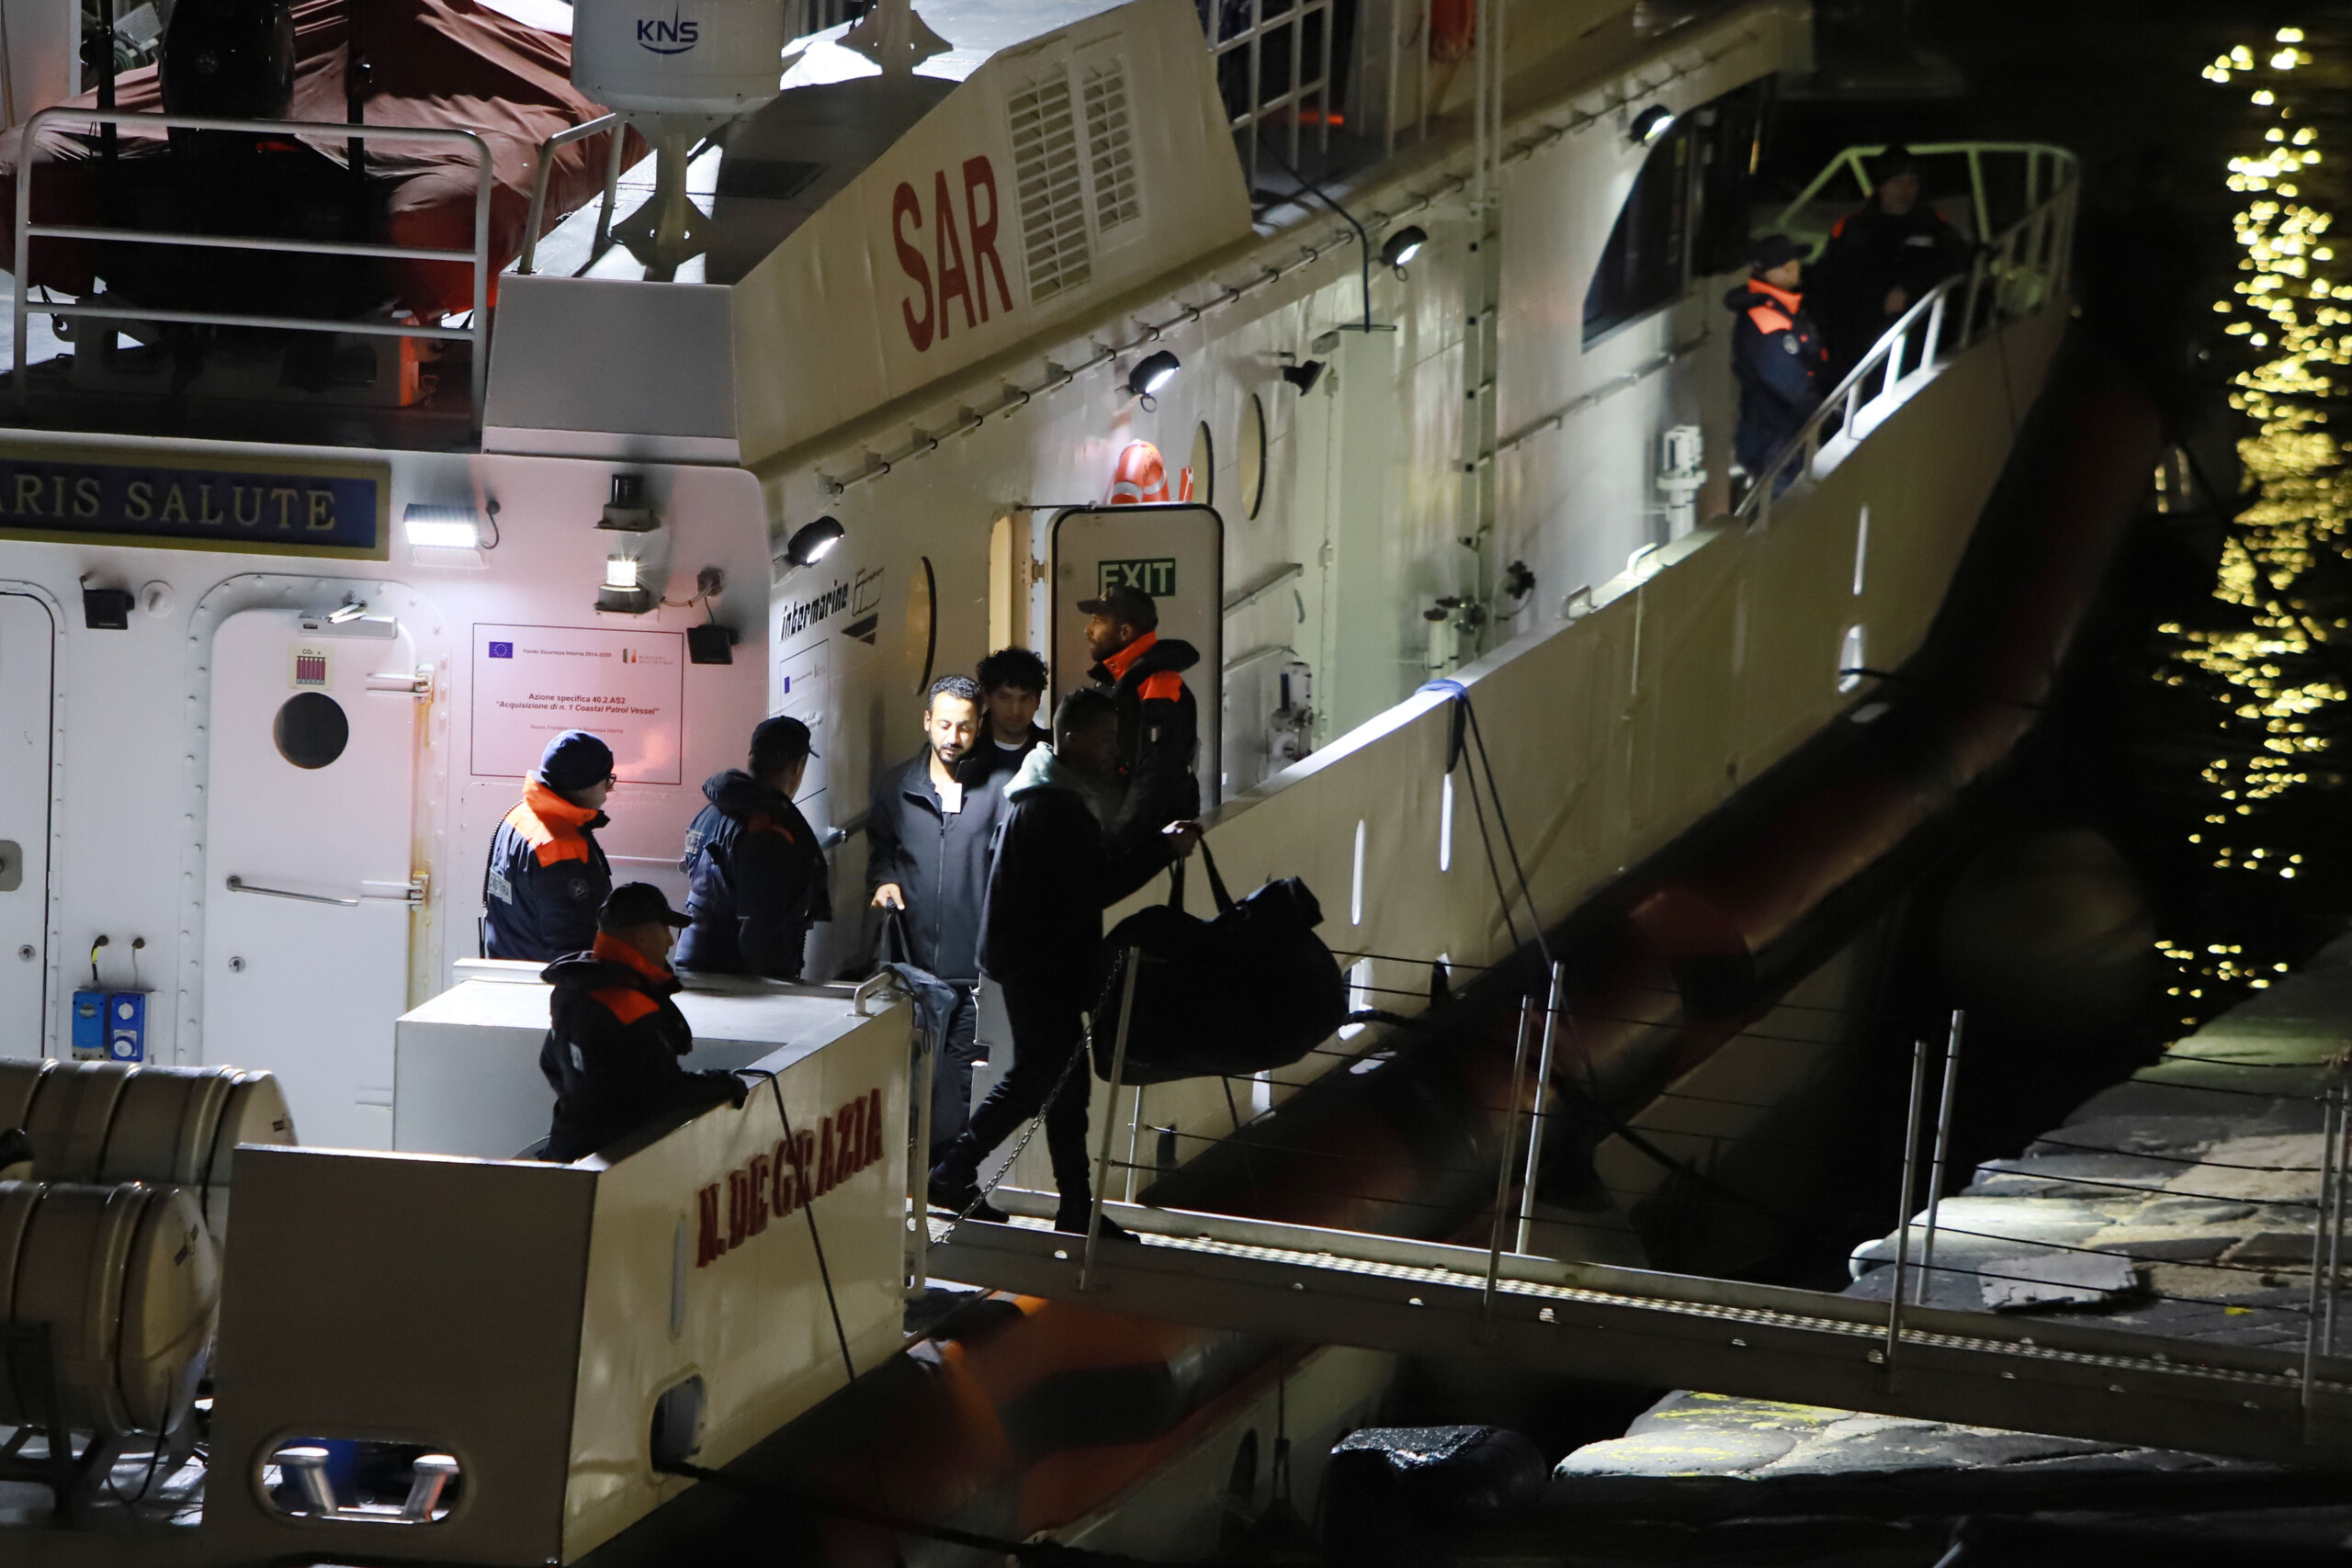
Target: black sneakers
(1071, 1217)
(957, 1194)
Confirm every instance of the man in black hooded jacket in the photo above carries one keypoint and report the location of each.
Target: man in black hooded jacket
(1159, 725)
(614, 1035)
(755, 877)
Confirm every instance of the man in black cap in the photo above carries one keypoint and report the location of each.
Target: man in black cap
(1776, 356)
(755, 876)
(615, 1036)
(1159, 733)
(547, 874)
(1882, 258)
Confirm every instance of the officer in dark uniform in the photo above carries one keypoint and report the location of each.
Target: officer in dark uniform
(1159, 725)
(1775, 355)
(547, 876)
(614, 1035)
(755, 876)
(1882, 258)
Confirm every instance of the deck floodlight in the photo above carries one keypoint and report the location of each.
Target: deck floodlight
(812, 541)
(432, 526)
(1152, 372)
(1650, 124)
(1401, 246)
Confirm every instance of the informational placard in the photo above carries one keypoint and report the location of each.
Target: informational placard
(531, 684)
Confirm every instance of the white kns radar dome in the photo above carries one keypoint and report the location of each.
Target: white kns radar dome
(679, 57)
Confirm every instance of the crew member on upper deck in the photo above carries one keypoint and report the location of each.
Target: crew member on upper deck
(1775, 355)
(1159, 722)
(1881, 259)
(755, 877)
(547, 874)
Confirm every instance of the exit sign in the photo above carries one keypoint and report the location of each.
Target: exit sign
(1156, 577)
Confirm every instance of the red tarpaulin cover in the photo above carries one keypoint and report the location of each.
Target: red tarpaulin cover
(448, 63)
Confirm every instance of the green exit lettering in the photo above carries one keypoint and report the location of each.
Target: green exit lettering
(1157, 578)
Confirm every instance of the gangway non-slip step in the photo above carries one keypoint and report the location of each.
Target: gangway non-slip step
(1663, 1330)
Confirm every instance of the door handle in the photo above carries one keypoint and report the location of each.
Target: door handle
(239, 884)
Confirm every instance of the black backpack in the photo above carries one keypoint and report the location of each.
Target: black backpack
(1252, 989)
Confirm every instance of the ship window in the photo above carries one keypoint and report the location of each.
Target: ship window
(311, 729)
(1687, 215)
(1204, 467)
(1254, 456)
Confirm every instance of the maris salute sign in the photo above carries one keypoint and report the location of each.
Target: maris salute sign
(319, 508)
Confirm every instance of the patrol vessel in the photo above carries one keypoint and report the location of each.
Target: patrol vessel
(1378, 339)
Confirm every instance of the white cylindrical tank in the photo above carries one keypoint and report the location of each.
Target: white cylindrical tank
(683, 57)
(128, 1282)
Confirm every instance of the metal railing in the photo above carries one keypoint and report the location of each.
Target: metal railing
(1240, 60)
(544, 164)
(2020, 271)
(2046, 169)
(26, 230)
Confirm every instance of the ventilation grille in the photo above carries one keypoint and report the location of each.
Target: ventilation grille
(1052, 191)
(1110, 148)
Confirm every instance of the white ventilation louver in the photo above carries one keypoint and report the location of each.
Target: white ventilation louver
(1110, 148)
(1052, 190)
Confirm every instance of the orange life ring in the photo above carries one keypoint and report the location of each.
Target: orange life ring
(1454, 28)
(1140, 479)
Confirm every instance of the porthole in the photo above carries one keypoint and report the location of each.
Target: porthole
(1204, 467)
(1254, 456)
(310, 730)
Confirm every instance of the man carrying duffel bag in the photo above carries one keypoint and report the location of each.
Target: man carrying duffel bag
(1041, 934)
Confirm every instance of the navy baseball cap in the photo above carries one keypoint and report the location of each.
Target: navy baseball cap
(1131, 607)
(575, 760)
(781, 740)
(1772, 250)
(638, 903)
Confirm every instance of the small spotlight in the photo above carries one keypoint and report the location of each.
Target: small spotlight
(620, 572)
(1152, 372)
(1399, 249)
(1650, 124)
(1304, 376)
(812, 542)
(440, 527)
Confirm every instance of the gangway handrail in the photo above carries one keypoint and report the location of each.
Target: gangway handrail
(2036, 245)
(26, 230)
(1658, 1329)
(543, 166)
(1851, 160)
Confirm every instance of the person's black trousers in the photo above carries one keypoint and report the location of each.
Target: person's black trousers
(1046, 1032)
(951, 1075)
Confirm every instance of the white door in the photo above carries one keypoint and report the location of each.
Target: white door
(27, 646)
(311, 793)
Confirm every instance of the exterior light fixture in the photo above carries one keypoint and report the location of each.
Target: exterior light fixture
(1649, 125)
(636, 564)
(441, 527)
(811, 542)
(1152, 372)
(1304, 376)
(1398, 250)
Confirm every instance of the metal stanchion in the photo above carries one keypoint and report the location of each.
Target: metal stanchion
(918, 1170)
(2335, 1218)
(1935, 1163)
(1502, 1166)
(1903, 1220)
(1538, 1117)
(2330, 1126)
(1102, 1156)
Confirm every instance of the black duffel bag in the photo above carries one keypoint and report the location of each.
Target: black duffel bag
(1252, 989)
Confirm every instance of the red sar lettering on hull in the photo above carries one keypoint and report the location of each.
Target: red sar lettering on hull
(943, 278)
(770, 1185)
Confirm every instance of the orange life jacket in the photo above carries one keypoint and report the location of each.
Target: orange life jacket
(626, 1002)
(1165, 686)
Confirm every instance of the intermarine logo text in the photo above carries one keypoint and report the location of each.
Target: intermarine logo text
(771, 1185)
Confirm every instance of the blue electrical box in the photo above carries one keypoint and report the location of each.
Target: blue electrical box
(89, 1026)
(126, 1026)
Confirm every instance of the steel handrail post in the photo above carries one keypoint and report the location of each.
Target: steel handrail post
(1936, 1163)
(1903, 1225)
(919, 1168)
(1257, 25)
(2335, 1235)
(1502, 1166)
(2330, 1121)
(480, 369)
(1537, 1116)
(21, 325)
(1102, 1157)
(1933, 349)
(1976, 191)
(612, 187)
(1323, 87)
(542, 168)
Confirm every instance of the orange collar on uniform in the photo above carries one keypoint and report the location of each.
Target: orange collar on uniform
(1789, 299)
(613, 950)
(1120, 662)
(550, 824)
